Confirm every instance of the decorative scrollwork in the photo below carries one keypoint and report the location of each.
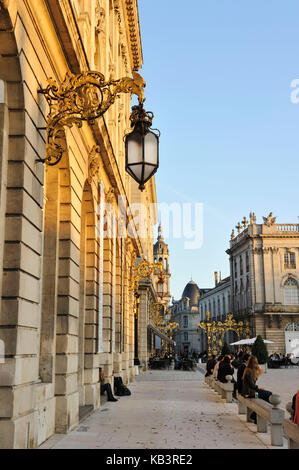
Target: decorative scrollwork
(215, 329)
(82, 97)
(143, 271)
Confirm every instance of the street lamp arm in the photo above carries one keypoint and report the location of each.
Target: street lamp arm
(143, 270)
(82, 97)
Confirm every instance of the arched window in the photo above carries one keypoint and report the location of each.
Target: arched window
(291, 292)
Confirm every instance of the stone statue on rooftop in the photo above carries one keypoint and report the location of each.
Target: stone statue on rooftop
(269, 220)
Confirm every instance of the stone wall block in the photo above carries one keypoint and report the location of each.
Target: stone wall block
(67, 344)
(67, 306)
(66, 363)
(92, 395)
(66, 384)
(20, 370)
(67, 412)
(67, 324)
(10, 69)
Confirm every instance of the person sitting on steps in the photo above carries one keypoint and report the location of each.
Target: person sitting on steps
(106, 387)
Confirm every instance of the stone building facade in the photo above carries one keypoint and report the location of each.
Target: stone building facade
(187, 314)
(264, 266)
(217, 301)
(66, 304)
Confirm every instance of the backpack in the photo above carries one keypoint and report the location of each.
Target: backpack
(122, 391)
(119, 388)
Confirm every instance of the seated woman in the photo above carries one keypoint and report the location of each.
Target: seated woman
(250, 388)
(225, 369)
(106, 387)
(215, 370)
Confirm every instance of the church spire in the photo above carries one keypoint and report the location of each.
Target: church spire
(160, 232)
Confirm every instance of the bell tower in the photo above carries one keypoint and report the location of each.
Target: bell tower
(161, 254)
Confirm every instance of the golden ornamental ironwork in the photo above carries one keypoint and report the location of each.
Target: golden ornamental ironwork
(82, 97)
(155, 313)
(215, 331)
(144, 270)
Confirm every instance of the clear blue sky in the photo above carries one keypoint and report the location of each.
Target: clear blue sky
(218, 76)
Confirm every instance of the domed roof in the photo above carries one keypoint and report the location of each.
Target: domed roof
(191, 291)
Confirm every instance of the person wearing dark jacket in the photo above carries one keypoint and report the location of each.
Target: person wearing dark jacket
(210, 365)
(225, 368)
(240, 372)
(106, 387)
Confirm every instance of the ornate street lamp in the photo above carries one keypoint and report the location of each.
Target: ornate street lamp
(142, 146)
(85, 97)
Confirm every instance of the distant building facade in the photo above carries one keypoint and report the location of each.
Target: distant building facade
(217, 301)
(264, 267)
(262, 289)
(186, 312)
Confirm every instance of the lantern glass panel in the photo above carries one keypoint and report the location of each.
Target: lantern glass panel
(136, 170)
(148, 170)
(151, 143)
(135, 150)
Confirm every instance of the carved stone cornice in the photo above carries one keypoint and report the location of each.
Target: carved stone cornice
(265, 249)
(281, 308)
(133, 33)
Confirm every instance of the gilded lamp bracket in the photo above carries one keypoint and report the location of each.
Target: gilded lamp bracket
(144, 270)
(82, 97)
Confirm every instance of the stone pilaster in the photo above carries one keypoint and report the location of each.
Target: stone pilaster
(66, 386)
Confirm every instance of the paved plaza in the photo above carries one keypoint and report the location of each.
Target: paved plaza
(173, 410)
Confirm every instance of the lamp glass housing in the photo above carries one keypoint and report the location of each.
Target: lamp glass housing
(142, 153)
